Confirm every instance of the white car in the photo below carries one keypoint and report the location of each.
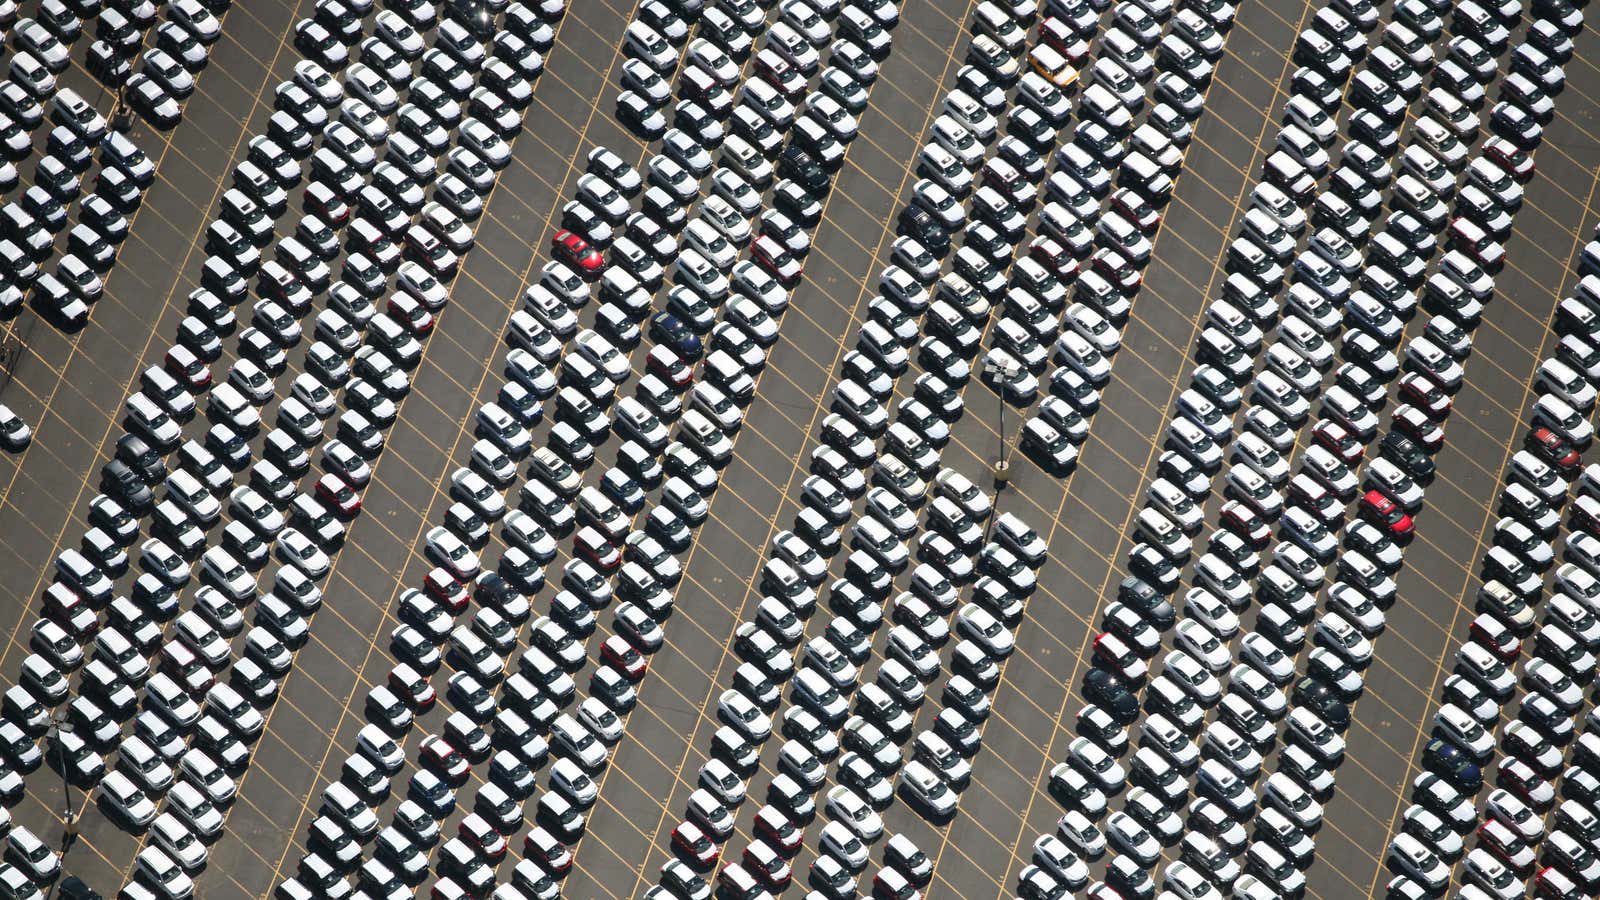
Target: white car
(1282, 793)
(1258, 691)
(1509, 810)
(1204, 606)
(444, 548)
(159, 869)
(1258, 651)
(736, 710)
(846, 807)
(178, 841)
(980, 626)
(119, 791)
(1201, 643)
(1336, 633)
(1093, 327)
(1413, 859)
(927, 789)
(602, 353)
(1095, 763)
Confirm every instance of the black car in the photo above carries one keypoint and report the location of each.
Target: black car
(73, 888)
(1143, 598)
(142, 458)
(803, 169)
(917, 224)
(1316, 695)
(1111, 694)
(1408, 455)
(1452, 763)
(121, 483)
(665, 328)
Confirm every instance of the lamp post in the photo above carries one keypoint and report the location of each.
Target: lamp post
(59, 726)
(121, 118)
(1001, 372)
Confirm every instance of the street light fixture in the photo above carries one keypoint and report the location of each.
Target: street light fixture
(1001, 371)
(59, 726)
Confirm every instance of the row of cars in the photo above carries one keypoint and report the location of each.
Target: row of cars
(267, 517)
(39, 52)
(527, 720)
(32, 225)
(1100, 254)
(1083, 266)
(356, 347)
(866, 745)
(788, 57)
(771, 105)
(40, 215)
(1529, 833)
(1392, 483)
(166, 73)
(182, 46)
(1230, 342)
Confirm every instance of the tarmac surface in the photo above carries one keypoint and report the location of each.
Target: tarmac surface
(71, 388)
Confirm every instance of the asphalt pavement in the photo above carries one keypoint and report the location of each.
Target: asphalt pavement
(71, 388)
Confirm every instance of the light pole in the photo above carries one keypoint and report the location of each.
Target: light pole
(1001, 371)
(59, 726)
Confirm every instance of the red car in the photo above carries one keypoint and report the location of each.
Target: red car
(1553, 884)
(576, 252)
(767, 865)
(1048, 252)
(70, 611)
(543, 847)
(332, 490)
(770, 255)
(1470, 238)
(669, 366)
(411, 685)
(1414, 424)
(1425, 395)
(1246, 523)
(622, 656)
(1063, 39)
(780, 74)
(1136, 209)
(1585, 514)
(178, 661)
(1519, 778)
(321, 199)
(443, 587)
(1553, 449)
(775, 827)
(1338, 439)
(1498, 838)
(593, 546)
(1117, 269)
(690, 840)
(1493, 634)
(409, 311)
(476, 830)
(1509, 157)
(1380, 510)
(437, 754)
(1115, 653)
(183, 364)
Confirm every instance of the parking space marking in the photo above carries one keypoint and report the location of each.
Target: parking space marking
(463, 428)
(1194, 320)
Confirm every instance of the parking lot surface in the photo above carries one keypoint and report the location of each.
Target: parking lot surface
(70, 387)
